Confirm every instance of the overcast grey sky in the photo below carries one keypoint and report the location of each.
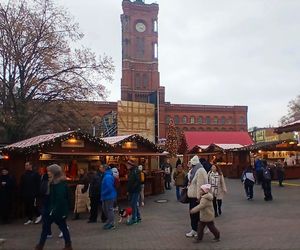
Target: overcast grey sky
(233, 52)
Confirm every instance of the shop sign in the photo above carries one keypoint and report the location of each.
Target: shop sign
(72, 143)
(129, 145)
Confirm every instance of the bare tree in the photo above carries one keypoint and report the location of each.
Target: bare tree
(293, 111)
(39, 64)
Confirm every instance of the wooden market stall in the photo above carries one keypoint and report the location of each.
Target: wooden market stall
(143, 152)
(230, 161)
(288, 151)
(72, 150)
(220, 147)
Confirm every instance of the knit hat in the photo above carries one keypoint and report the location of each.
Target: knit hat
(195, 160)
(206, 187)
(115, 172)
(55, 170)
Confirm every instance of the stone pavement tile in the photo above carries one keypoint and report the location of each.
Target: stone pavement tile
(243, 225)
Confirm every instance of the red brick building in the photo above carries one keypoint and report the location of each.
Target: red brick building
(140, 77)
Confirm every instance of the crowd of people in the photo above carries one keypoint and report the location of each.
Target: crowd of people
(46, 197)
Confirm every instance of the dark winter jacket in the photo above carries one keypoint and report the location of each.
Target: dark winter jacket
(59, 200)
(30, 184)
(6, 190)
(134, 181)
(95, 183)
(108, 190)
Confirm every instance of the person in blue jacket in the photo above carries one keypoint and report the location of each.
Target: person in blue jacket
(108, 196)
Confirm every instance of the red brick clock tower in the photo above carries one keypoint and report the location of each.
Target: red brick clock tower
(140, 76)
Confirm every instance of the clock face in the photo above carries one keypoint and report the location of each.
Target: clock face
(140, 27)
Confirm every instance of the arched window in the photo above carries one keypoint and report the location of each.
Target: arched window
(193, 129)
(192, 119)
(216, 129)
(207, 120)
(208, 128)
(223, 120)
(137, 80)
(155, 51)
(229, 120)
(145, 80)
(185, 128)
(242, 120)
(184, 119)
(216, 120)
(223, 129)
(155, 26)
(168, 119)
(176, 119)
(200, 120)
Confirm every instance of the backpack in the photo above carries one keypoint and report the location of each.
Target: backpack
(267, 174)
(142, 177)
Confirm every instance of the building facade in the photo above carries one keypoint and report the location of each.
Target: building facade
(140, 77)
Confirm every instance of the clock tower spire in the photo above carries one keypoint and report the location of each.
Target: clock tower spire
(140, 76)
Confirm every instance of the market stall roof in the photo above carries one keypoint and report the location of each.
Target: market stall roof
(271, 145)
(214, 147)
(293, 126)
(42, 141)
(117, 141)
(222, 138)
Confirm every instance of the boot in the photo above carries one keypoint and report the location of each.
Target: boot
(39, 247)
(68, 247)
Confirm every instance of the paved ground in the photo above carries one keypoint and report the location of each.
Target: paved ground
(244, 225)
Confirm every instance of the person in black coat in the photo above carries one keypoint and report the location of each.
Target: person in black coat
(266, 177)
(7, 184)
(94, 193)
(30, 187)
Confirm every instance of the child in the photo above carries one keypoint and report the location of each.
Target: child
(248, 179)
(206, 210)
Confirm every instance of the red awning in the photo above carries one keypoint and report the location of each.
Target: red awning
(195, 138)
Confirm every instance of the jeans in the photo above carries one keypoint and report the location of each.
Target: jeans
(142, 195)
(266, 185)
(134, 197)
(62, 225)
(178, 192)
(249, 189)
(217, 203)
(108, 208)
(194, 217)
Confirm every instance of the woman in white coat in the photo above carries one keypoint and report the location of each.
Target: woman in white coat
(197, 177)
(218, 188)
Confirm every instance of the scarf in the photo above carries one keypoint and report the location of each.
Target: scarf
(194, 170)
(214, 181)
